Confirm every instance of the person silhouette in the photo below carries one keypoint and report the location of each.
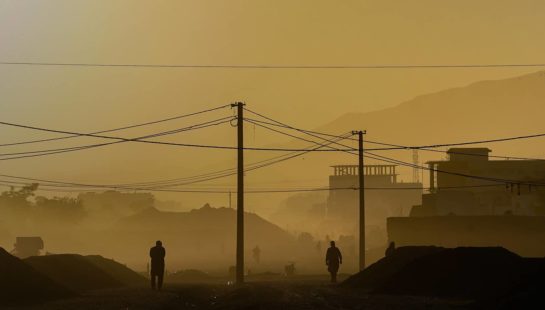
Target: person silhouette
(157, 254)
(333, 259)
(257, 254)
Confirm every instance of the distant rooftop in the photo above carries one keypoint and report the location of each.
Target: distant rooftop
(469, 150)
(386, 170)
(466, 154)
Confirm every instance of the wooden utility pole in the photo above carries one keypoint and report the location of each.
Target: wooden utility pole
(240, 193)
(361, 182)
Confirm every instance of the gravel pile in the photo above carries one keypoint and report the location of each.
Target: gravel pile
(21, 283)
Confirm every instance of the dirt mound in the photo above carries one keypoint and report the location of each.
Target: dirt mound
(459, 272)
(377, 274)
(22, 283)
(467, 273)
(527, 294)
(118, 271)
(74, 271)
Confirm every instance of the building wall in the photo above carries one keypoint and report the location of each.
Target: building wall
(524, 170)
(488, 214)
(485, 196)
(344, 204)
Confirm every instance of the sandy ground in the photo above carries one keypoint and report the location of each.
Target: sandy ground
(311, 293)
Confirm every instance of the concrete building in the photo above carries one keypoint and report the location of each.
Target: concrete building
(385, 196)
(480, 202)
(455, 193)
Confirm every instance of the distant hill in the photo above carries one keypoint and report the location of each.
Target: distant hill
(482, 110)
(201, 238)
(486, 109)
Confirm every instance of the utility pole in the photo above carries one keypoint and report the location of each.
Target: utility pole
(240, 193)
(361, 177)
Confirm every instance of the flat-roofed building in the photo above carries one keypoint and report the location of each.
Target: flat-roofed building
(469, 183)
(475, 201)
(385, 195)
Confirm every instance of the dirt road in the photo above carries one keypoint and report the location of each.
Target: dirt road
(254, 295)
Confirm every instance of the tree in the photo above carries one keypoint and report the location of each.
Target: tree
(17, 200)
(21, 195)
(60, 209)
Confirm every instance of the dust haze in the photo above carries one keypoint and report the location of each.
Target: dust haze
(122, 138)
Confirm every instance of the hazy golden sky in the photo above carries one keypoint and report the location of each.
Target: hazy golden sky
(258, 32)
(279, 32)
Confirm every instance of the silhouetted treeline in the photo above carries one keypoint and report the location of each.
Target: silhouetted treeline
(23, 204)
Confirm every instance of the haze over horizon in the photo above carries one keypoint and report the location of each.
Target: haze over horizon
(240, 32)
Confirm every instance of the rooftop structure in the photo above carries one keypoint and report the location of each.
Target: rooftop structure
(465, 154)
(471, 167)
(469, 183)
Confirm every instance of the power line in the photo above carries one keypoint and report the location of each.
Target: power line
(391, 160)
(403, 163)
(281, 132)
(396, 146)
(221, 174)
(121, 128)
(490, 179)
(161, 187)
(159, 142)
(282, 125)
(287, 126)
(225, 172)
(163, 133)
(315, 135)
(255, 166)
(539, 135)
(264, 149)
(374, 156)
(258, 66)
(38, 153)
(217, 174)
(378, 157)
(425, 148)
(404, 147)
(392, 147)
(268, 191)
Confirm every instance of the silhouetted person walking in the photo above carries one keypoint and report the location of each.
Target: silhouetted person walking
(333, 259)
(257, 254)
(157, 254)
